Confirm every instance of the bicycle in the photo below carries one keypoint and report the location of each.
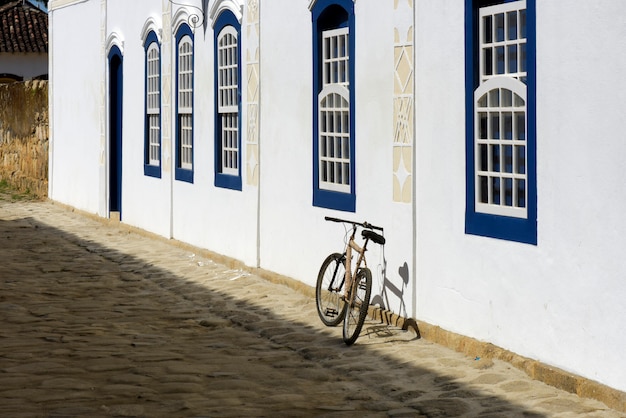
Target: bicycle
(336, 302)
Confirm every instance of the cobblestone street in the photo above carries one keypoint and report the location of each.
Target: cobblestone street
(99, 320)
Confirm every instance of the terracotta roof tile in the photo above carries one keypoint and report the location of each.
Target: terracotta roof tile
(23, 28)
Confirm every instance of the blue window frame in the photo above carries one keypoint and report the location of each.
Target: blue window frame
(333, 105)
(500, 68)
(152, 106)
(227, 35)
(184, 104)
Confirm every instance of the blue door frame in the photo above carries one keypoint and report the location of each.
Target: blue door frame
(115, 130)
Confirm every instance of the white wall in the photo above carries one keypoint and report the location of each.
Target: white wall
(76, 71)
(561, 301)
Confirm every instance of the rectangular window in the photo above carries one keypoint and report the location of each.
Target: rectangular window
(500, 88)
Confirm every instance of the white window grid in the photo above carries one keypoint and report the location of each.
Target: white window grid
(500, 131)
(334, 112)
(228, 99)
(153, 104)
(185, 101)
(334, 139)
(335, 57)
(501, 148)
(502, 38)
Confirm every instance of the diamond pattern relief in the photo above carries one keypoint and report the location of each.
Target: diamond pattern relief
(404, 69)
(253, 82)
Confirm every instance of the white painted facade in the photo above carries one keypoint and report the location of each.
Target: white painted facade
(560, 301)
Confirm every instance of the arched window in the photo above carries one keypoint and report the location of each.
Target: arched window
(228, 101)
(333, 106)
(184, 104)
(152, 153)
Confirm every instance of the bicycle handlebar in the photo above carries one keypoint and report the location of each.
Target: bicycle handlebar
(364, 224)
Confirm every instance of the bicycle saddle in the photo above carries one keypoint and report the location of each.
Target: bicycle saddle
(378, 239)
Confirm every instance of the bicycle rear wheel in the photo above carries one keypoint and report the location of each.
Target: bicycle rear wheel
(329, 290)
(356, 311)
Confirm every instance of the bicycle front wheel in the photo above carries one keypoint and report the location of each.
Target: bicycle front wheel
(329, 290)
(356, 310)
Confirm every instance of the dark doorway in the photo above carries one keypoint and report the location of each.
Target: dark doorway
(115, 132)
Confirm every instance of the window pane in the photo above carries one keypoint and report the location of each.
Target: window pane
(522, 57)
(508, 192)
(512, 25)
(495, 190)
(508, 158)
(495, 158)
(482, 126)
(508, 125)
(512, 52)
(507, 98)
(494, 98)
(482, 157)
(488, 64)
(520, 186)
(495, 125)
(500, 60)
(520, 126)
(487, 29)
(483, 189)
(499, 27)
(520, 159)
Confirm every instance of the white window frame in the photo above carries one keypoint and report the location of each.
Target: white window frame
(153, 103)
(185, 101)
(334, 113)
(500, 114)
(228, 100)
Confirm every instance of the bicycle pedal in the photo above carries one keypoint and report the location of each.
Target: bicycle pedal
(331, 312)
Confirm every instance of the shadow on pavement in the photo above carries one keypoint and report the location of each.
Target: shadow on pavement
(88, 330)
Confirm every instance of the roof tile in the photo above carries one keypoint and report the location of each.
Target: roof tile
(23, 28)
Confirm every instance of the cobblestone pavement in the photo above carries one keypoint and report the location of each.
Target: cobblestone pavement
(101, 321)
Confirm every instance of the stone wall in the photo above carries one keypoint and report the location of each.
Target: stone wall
(24, 136)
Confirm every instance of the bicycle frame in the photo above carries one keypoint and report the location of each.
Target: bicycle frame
(352, 245)
(349, 276)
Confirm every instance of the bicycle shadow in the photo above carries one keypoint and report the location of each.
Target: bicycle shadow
(381, 303)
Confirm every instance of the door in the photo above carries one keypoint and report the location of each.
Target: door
(115, 132)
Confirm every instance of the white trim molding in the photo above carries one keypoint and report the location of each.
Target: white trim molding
(152, 24)
(235, 6)
(114, 39)
(58, 4)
